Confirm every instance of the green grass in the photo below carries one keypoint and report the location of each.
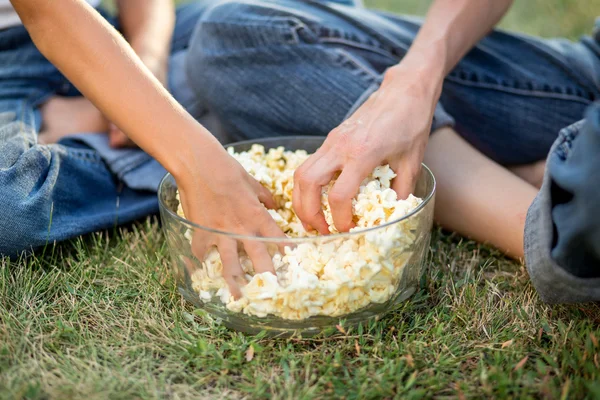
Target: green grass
(100, 317)
(548, 18)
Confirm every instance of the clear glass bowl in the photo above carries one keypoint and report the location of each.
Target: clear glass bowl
(406, 264)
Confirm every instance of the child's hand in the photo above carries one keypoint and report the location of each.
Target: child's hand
(222, 195)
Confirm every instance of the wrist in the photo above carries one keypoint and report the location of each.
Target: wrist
(424, 68)
(415, 80)
(195, 154)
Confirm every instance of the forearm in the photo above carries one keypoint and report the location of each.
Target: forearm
(100, 63)
(451, 28)
(148, 27)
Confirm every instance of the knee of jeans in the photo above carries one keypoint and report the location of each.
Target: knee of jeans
(24, 224)
(228, 41)
(28, 175)
(234, 25)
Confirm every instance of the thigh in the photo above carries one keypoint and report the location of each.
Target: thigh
(27, 78)
(275, 68)
(512, 93)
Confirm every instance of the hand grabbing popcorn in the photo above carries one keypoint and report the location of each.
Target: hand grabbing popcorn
(333, 276)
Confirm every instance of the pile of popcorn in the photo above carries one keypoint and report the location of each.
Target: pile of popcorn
(331, 276)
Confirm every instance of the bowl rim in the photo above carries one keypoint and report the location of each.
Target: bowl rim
(271, 239)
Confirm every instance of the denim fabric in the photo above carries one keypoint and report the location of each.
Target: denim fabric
(301, 67)
(562, 231)
(290, 67)
(55, 192)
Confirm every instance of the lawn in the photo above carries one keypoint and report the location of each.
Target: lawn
(100, 317)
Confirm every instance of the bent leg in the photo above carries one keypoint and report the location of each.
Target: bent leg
(476, 197)
(277, 67)
(49, 192)
(270, 69)
(56, 192)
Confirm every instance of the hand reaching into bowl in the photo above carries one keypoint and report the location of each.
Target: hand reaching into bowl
(391, 127)
(221, 195)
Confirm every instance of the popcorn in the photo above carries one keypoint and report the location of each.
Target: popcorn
(333, 276)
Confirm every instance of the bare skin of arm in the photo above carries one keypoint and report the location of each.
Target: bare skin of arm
(148, 27)
(215, 190)
(404, 105)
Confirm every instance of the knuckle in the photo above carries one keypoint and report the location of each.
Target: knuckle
(338, 196)
(256, 212)
(339, 132)
(300, 176)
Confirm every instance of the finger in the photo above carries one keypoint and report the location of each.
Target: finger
(406, 178)
(272, 230)
(343, 191)
(232, 269)
(297, 205)
(264, 195)
(307, 165)
(261, 259)
(310, 183)
(200, 245)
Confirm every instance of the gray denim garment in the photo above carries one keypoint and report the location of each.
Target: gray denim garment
(562, 230)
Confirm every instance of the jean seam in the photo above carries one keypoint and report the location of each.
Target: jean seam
(326, 35)
(516, 91)
(87, 156)
(361, 46)
(276, 23)
(360, 67)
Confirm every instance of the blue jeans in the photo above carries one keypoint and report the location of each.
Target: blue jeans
(298, 67)
(276, 67)
(55, 192)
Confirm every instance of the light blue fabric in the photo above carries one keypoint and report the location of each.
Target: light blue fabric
(55, 192)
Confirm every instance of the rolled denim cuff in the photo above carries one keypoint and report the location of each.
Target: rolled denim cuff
(554, 283)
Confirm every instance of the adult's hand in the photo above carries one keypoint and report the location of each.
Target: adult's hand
(391, 127)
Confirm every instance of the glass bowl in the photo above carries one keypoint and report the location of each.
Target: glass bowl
(388, 281)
